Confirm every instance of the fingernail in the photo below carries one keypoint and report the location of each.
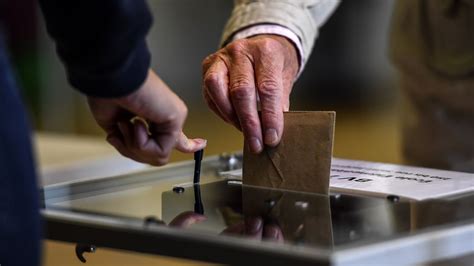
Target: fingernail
(201, 141)
(255, 145)
(271, 137)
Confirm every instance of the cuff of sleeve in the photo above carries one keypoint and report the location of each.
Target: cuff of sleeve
(291, 16)
(276, 30)
(117, 83)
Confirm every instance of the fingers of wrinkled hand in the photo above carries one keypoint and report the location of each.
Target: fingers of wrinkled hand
(269, 68)
(244, 96)
(187, 219)
(183, 144)
(213, 106)
(216, 88)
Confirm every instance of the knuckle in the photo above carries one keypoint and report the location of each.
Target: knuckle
(269, 87)
(268, 45)
(237, 47)
(179, 114)
(183, 109)
(269, 93)
(161, 161)
(173, 122)
(159, 154)
(240, 90)
(172, 117)
(241, 82)
(207, 62)
(211, 80)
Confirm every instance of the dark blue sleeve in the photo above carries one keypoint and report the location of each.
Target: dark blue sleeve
(101, 43)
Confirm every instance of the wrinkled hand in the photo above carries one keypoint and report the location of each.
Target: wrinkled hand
(260, 68)
(151, 138)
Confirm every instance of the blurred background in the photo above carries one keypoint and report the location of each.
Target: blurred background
(348, 72)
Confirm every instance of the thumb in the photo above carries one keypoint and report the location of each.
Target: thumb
(183, 144)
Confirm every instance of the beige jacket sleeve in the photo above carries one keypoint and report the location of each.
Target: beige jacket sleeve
(303, 17)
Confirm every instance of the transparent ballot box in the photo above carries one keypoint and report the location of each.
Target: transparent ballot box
(160, 211)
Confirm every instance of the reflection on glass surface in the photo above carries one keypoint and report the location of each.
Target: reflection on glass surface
(256, 213)
(225, 207)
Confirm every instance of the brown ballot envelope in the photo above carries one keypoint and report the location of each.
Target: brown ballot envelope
(302, 160)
